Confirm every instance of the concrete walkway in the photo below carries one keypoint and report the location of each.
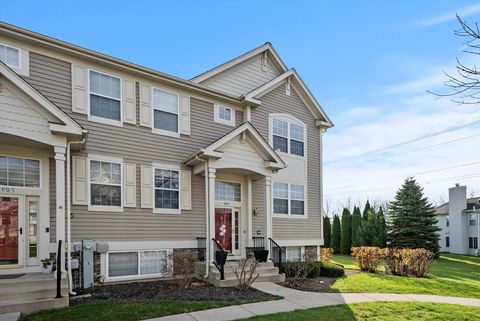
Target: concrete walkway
(296, 300)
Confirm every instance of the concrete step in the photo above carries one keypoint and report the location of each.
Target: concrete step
(30, 306)
(34, 292)
(275, 278)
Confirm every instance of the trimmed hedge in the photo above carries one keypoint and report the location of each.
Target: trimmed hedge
(324, 269)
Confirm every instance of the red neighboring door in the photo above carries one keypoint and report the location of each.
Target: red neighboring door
(223, 228)
(8, 230)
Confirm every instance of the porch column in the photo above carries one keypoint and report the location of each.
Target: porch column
(60, 201)
(211, 216)
(268, 210)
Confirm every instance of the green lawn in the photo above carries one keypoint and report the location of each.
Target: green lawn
(451, 275)
(126, 311)
(380, 311)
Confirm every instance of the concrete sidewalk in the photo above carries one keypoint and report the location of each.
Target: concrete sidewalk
(295, 300)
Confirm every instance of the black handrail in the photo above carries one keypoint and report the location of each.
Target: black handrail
(59, 270)
(276, 256)
(220, 259)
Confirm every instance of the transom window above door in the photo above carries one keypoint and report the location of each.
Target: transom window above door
(165, 112)
(288, 137)
(105, 96)
(224, 115)
(227, 191)
(20, 172)
(105, 184)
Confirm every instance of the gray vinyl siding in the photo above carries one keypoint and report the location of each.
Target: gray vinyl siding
(244, 77)
(278, 102)
(138, 145)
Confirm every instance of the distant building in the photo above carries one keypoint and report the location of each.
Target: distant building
(459, 222)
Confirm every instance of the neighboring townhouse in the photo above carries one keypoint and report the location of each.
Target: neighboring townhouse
(129, 164)
(459, 222)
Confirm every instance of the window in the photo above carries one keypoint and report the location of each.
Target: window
(105, 183)
(137, 263)
(105, 96)
(227, 191)
(224, 115)
(167, 189)
(288, 137)
(21, 172)
(10, 56)
(294, 253)
(447, 241)
(472, 220)
(448, 222)
(165, 111)
(473, 243)
(32, 228)
(288, 199)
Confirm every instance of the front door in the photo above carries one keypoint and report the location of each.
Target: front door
(223, 228)
(9, 236)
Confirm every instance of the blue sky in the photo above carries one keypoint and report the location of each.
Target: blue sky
(369, 63)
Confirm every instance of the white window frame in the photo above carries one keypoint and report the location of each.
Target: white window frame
(168, 210)
(102, 120)
(138, 275)
(302, 252)
(19, 55)
(217, 118)
(104, 208)
(25, 187)
(289, 214)
(289, 119)
(163, 131)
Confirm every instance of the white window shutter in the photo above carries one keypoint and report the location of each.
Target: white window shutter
(129, 108)
(79, 181)
(184, 115)
(145, 105)
(79, 89)
(146, 182)
(186, 190)
(129, 185)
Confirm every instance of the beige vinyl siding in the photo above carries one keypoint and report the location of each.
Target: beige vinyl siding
(244, 77)
(278, 102)
(136, 145)
(258, 202)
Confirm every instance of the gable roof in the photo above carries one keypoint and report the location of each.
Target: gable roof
(238, 60)
(473, 202)
(212, 149)
(62, 123)
(304, 93)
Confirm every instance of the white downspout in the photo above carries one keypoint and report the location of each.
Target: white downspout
(207, 219)
(69, 220)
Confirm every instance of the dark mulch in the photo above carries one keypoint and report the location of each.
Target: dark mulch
(319, 284)
(167, 290)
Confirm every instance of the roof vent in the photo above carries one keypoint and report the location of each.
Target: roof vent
(457, 184)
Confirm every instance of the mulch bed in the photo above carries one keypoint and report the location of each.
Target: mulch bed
(320, 284)
(167, 290)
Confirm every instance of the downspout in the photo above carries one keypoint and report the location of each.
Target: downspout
(207, 219)
(69, 220)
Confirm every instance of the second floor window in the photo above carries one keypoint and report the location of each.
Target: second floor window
(105, 96)
(224, 115)
(10, 56)
(167, 189)
(288, 137)
(105, 183)
(288, 199)
(165, 111)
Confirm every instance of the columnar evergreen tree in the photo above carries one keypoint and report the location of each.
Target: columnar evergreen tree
(327, 232)
(380, 237)
(346, 238)
(368, 228)
(412, 219)
(336, 230)
(366, 211)
(356, 222)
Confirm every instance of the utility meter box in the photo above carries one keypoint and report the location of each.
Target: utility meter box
(75, 264)
(87, 258)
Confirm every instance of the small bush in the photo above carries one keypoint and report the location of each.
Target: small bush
(368, 257)
(296, 270)
(326, 254)
(245, 274)
(414, 262)
(332, 270)
(315, 269)
(182, 266)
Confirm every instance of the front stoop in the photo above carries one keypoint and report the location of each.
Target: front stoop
(267, 273)
(30, 293)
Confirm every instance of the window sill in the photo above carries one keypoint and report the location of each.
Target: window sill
(97, 208)
(283, 154)
(290, 216)
(136, 277)
(105, 121)
(165, 133)
(166, 211)
(225, 122)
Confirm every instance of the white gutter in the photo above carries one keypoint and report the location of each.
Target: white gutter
(207, 219)
(69, 220)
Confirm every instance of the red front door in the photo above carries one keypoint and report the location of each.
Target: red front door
(8, 230)
(223, 228)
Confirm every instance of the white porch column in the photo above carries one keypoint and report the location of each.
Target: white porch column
(249, 235)
(211, 202)
(60, 201)
(268, 209)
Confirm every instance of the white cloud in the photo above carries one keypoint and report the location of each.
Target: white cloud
(447, 16)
